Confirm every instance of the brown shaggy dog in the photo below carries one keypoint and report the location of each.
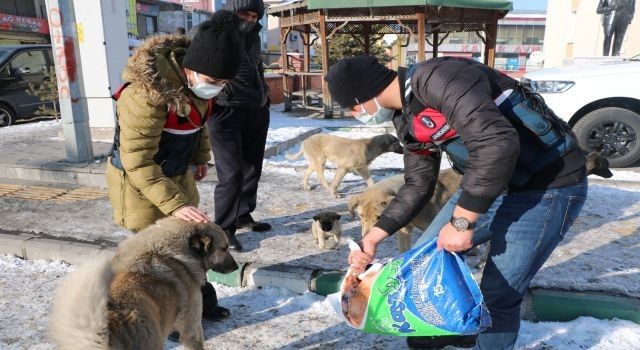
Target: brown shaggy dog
(372, 202)
(150, 288)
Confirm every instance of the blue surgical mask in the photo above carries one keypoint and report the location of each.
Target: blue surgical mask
(380, 116)
(205, 91)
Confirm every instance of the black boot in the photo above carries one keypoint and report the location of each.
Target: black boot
(234, 244)
(246, 221)
(211, 311)
(433, 343)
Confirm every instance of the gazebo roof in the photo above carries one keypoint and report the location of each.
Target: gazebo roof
(391, 16)
(501, 5)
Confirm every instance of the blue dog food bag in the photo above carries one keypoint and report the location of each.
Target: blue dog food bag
(423, 292)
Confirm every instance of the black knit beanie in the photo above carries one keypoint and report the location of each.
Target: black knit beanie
(214, 49)
(358, 79)
(256, 6)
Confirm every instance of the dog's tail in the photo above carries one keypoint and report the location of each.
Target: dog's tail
(79, 316)
(294, 156)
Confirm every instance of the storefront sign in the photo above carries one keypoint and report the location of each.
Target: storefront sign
(147, 9)
(23, 24)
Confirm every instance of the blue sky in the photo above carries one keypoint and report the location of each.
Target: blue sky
(529, 4)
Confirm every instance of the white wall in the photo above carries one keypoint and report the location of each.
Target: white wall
(103, 54)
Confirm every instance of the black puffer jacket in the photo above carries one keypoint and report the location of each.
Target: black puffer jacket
(464, 91)
(248, 89)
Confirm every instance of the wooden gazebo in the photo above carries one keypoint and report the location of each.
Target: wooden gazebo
(372, 19)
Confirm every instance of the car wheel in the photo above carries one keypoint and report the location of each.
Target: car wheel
(7, 116)
(613, 132)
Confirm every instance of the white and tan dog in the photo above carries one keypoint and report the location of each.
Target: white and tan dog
(326, 225)
(370, 204)
(150, 288)
(346, 154)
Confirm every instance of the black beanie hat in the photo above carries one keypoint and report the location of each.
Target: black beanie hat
(214, 50)
(256, 6)
(358, 79)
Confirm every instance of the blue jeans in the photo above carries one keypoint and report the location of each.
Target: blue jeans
(524, 228)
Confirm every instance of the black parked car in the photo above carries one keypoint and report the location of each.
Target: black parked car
(19, 66)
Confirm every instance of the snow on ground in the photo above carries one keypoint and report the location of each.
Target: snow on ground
(29, 131)
(26, 293)
(269, 318)
(599, 253)
(621, 175)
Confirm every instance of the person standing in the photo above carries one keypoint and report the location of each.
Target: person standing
(524, 179)
(238, 130)
(616, 16)
(161, 143)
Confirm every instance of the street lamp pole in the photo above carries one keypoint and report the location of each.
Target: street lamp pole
(71, 92)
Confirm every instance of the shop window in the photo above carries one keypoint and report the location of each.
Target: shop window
(152, 25)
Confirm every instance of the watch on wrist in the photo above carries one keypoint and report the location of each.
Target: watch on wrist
(460, 223)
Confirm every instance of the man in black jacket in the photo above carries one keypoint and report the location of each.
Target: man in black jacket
(238, 130)
(524, 176)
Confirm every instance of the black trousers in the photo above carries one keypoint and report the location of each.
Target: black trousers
(615, 26)
(238, 137)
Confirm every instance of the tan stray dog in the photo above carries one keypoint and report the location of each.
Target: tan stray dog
(370, 204)
(148, 289)
(325, 225)
(346, 154)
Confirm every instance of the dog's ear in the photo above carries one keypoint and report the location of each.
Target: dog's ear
(200, 244)
(352, 205)
(336, 216)
(598, 165)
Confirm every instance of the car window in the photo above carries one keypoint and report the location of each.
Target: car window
(29, 62)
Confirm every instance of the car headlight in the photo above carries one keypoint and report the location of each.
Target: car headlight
(547, 86)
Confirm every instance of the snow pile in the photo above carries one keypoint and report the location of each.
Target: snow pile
(27, 132)
(27, 289)
(284, 134)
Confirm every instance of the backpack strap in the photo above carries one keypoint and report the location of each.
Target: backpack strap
(116, 95)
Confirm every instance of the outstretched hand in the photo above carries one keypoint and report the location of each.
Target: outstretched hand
(358, 260)
(191, 213)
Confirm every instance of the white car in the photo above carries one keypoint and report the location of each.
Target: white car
(601, 102)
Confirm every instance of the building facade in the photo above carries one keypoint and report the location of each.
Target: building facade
(575, 30)
(520, 34)
(23, 22)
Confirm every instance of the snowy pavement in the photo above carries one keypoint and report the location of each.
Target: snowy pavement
(598, 254)
(270, 318)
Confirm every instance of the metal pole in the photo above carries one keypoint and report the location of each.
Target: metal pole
(184, 17)
(71, 93)
(324, 43)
